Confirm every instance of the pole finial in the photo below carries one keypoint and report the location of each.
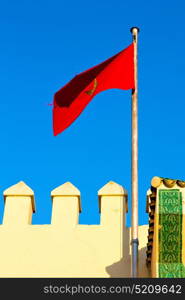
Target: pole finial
(134, 29)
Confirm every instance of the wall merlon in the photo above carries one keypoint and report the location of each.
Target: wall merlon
(20, 189)
(112, 205)
(66, 205)
(112, 189)
(69, 190)
(19, 204)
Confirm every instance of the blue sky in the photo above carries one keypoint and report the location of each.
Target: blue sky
(43, 45)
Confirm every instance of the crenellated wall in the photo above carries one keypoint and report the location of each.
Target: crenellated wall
(65, 248)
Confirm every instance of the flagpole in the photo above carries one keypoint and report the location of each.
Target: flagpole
(134, 230)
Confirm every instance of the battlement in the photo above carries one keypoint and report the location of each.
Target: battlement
(66, 204)
(66, 248)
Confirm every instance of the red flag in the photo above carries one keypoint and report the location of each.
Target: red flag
(116, 72)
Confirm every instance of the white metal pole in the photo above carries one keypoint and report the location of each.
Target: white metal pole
(134, 241)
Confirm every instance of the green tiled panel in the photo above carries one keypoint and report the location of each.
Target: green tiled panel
(170, 234)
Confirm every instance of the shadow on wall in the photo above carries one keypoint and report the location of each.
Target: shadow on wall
(122, 268)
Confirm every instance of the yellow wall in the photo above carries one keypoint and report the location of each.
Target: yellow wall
(64, 248)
